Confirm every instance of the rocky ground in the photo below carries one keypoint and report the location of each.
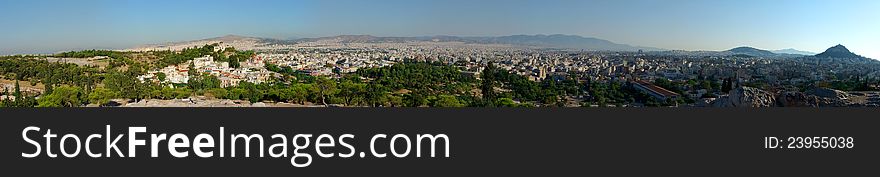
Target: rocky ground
(746, 97)
(24, 86)
(816, 97)
(203, 102)
(100, 61)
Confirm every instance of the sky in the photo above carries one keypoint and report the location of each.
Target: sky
(39, 26)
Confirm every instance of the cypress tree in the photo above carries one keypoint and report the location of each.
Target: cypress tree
(487, 87)
(17, 95)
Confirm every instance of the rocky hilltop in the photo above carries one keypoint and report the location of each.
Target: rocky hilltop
(746, 97)
(816, 97)
(201, 101)
(838, 51)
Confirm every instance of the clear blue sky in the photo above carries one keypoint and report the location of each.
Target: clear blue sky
(812, 25)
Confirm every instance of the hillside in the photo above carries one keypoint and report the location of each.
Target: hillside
(838, 51)
(751, 52)
(238, 42)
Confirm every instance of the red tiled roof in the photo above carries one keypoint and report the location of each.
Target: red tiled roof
(657, 89)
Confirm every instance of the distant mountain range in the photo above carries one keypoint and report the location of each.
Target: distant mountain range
(546, 41)
(835, 52)
(793, 51)
(565, 41)
(754, 52)
(239, 42)
(557, 41)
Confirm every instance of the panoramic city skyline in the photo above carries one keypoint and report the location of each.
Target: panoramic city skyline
(677, 25)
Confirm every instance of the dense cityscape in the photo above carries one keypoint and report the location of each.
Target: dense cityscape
(366, 71)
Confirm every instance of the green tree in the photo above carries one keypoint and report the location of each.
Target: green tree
(298, 93)
(191, 71)
(447, 101)
(395, 101)
(325, 88)
(17, 93)
(376, 95)
(204, 81)
(487, 85)
(102, 96)
(727, 85)
(64, 96)
(217, 93)
(505, 102)
(352, 93)
(415, 99)
(127, 85)
(48, 88)
(705, 84)
(161, 77)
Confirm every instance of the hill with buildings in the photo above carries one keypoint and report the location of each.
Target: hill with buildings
(238, 42)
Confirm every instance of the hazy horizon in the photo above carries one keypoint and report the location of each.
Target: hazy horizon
(46, 26)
